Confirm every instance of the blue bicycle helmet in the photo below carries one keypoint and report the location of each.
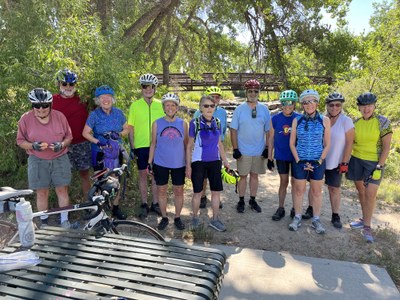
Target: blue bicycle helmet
(309, 92)
(66, 75)
(366, 99)
(104, 90)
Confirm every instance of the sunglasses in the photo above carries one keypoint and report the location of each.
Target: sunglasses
(309, 102)
(68, 83)
(335, 104)
(41, 105)
(253, 91)
(287, 103)
(145, 86)
(209, 105)
(254, 113)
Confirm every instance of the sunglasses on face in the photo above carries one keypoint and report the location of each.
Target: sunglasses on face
(335, 104)
(68, 83)
(209, 105)
(254, 113)
(253, 91)
(287, 103)
(145, 86)
(41, 105)
(309, 102)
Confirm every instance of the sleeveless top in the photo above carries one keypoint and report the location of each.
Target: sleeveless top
(310, 137)
(170, 148)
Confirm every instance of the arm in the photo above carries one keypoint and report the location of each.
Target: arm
(386, 140)
(130, 136)
(327, 139)
(271, 141)
(292, 142)
(185, 134)
(125, 130)
(189, 150)
(349, 145)
(234, 139)
(87, 134)
(223, 154)
(153, 142)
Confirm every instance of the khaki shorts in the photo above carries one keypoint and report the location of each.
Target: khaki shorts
(251, 164)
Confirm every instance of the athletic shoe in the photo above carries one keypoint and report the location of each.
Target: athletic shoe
(144, 210)
(203, 202)
(317, 225)
(179, 224)
(155, 207)
(336, 222)
(308, 214)
(279, 214)
(254, 205)
(163, 223)
(296, 223)
(359, 224)
(117, 213)
(44, 223)
(221, 205)
(367, 233)
(217, 225)
(292, 213)
(195, 223)
(240, 207)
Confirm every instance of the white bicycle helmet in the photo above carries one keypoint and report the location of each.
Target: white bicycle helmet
(309, 92)
(40, 95)
(170, 97)
(148, 79)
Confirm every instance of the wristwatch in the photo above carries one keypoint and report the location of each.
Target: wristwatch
(379, 167)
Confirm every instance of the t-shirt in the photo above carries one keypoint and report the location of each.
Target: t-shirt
(282, 128)
(141, 117)
(219, 113)
(170, 146)
(206, 141)
(368, 134)
(56, 130)
(251, 131)
(338, 141)
(76, 113)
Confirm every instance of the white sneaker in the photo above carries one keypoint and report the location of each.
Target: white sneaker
(296, 223)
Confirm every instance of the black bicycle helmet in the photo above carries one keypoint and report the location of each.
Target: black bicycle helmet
(334, 97)
(366, 98)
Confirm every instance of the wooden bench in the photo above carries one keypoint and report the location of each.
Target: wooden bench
(77, 265)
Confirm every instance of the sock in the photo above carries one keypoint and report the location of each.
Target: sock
(315, 218)
(241, 199)
(335, 215)
(252, 198)
(44, 219)
(64, 216)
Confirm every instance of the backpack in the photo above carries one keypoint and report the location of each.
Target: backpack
(197, 126)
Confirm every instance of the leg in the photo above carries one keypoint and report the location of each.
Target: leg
(316, 195)
(334, 197)
(154, 190)
(85, 181)
(63, 200)
(369, 204)
(253, 184)
(162, 199)
(215, 199)
(203, 193)
(42, 199)
(195, 203)
(143, 185)
(178, 193)
(298, 190)
(283, 184)
(242, 185)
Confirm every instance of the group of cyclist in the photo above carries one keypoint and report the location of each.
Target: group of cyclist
(309, 146)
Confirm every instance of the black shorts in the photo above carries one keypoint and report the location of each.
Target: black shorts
(210, 170)
(333, 178)
(142, 155)
(283, 166)
(161, 175)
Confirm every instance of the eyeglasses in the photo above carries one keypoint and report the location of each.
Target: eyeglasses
(254, 113)
(287, 103)
(335, 104)
(253, 91)
(309, 102)
(209, 105)
(68, 83)
(41, 105)
(145, 86)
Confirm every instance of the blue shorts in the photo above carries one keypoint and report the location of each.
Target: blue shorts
(360, 170)
(207, 169)
(142, 155)
(161, 175)
(283, 166)
(42, 173)
(299, 173)
(80, 156)
(333, 178)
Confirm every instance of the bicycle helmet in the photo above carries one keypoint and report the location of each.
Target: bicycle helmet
(288, 95)
(66, 75)
(213, 90)
(309, 92)
(334, 97)
(252, 84)
(366, 98)
(40, 95)
(104, 90)
(230, 177)
(148, 79)
(170, 97)
(111, 185)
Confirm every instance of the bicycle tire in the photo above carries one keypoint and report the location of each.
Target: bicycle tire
(136, 229)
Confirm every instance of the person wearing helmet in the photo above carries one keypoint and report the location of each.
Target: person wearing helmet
(220, 114)
(70, 104)
(45, 135)
(278, 146)
(142, 114)
(372, 138)
(249, 136)
(205, 155)
(337, 159)
(103, 129)
(309, 143)
(167, 156)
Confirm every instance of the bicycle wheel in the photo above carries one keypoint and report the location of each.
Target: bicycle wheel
(136, 229)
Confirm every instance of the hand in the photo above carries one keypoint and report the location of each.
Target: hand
(101, 144)
(56, 147)
(377, 174)
(114, 135)
(270, 164)
(149, 169)
(226, 165)
(236, 154)
(37, 146)
(265, 153)
(343, 167)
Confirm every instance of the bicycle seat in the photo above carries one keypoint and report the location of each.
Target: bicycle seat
(7, 192)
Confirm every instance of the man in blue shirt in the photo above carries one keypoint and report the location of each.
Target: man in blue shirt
(249, 135)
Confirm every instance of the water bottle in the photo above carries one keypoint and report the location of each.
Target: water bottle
(26, 230)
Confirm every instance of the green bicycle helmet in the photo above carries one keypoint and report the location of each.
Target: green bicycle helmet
(288, 95)
(230, 177)
(213, 90)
